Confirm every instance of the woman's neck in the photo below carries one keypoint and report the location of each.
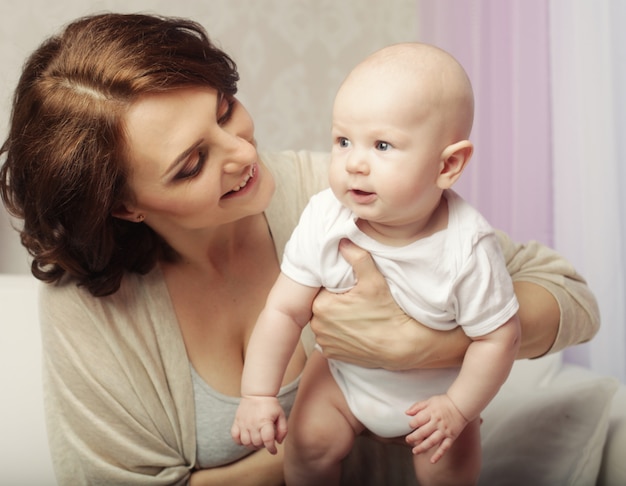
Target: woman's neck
(216, 251)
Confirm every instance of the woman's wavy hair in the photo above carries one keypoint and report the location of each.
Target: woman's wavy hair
(66, 165)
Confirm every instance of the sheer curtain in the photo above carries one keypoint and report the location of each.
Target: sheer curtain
(549, 135)
(588, 49)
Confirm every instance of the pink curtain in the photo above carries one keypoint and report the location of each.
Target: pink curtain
(504, 48)
(549, 78)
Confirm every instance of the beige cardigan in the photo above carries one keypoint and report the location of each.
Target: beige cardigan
(118, 391)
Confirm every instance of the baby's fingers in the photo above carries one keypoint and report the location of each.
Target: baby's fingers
(281, 429)
(267, 436)
(416, 408)
(441, 450)
(243, 437)
(422, 429)
(420, 415)
(425, 442)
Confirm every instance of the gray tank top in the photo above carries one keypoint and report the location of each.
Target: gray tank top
(215, 413)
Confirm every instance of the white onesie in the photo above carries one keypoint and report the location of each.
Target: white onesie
(454, 277)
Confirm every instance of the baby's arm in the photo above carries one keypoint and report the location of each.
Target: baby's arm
(260, 420)
(487, 363)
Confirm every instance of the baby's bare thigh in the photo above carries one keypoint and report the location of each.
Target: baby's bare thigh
(320, 406)
(460, 465)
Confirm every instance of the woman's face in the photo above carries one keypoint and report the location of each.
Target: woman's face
(193, 162)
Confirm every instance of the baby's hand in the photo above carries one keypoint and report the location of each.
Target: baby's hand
(259, 422)
(437, 422)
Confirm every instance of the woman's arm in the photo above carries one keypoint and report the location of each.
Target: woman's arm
(540, 318)
(559, 310)
(366, 327)
(258, 469)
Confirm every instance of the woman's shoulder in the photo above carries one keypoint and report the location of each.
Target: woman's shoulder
(69, 288)
(66, 304)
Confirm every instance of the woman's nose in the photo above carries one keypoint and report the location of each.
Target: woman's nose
(238, 141)
(239, 152)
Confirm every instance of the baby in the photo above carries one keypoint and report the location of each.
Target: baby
(401, 123)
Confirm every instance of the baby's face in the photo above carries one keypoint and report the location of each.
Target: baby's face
(387, 147)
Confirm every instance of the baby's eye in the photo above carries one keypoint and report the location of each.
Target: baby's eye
(343, 142)
(225, 109)
(383, 146)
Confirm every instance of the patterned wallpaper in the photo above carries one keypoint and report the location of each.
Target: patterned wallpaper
(292, 56)
(293, 59)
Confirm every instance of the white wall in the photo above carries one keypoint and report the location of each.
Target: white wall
(292, 55)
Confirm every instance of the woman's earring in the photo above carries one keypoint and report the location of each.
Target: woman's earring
(139, 218)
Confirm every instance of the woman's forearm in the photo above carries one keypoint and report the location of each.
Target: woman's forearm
(258, 469)
(400, 343)
(539, 316)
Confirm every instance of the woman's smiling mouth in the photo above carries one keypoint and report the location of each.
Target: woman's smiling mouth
(244, 182)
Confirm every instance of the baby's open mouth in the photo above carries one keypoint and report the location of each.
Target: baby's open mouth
(362, 197)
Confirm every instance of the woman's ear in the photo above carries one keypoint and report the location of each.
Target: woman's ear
(454, 158)
(128, 214)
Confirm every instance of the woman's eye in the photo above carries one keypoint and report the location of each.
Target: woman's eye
(383, 146)
(225, 109)
(193, 167)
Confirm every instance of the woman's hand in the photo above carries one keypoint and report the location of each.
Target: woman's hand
(365, 326)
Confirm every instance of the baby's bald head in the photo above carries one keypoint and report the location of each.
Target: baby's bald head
(424, 75)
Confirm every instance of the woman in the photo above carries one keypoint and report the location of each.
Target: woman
(154, 223)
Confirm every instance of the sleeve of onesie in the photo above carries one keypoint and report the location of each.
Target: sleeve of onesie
(300, 260)
(484, 297)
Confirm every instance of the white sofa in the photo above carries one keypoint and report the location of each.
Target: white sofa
(552, 424)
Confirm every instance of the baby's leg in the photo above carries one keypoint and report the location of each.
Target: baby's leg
(321, 428)
(459, 466)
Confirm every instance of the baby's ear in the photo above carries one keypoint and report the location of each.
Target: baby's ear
(454, 158)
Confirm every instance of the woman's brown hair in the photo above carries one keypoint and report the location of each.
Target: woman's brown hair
(65, 169)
